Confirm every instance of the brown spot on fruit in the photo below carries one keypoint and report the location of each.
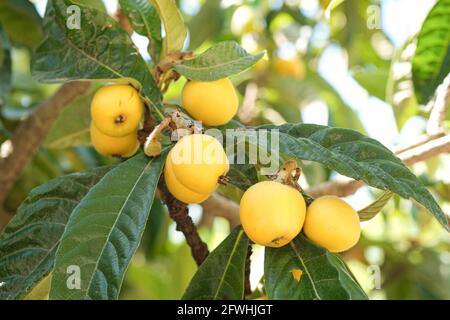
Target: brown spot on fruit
(120, 119)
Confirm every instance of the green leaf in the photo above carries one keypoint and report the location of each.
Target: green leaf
(71, 128)
(21, 22)
(28, 243)
(202, 27)
(100, 50)
(324, 276)
(95, 4)
(221, 60)
(5, 65)
(431, 62)
(105, 229)
(173, 25)
(145, 20)
(375, 207)
(221, 275)
(243, 176)
(374, 81)
(354, 155)
(400, 87)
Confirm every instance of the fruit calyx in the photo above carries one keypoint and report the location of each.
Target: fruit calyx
(289, 174)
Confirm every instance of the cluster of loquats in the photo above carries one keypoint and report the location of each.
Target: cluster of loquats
(195, 164)
(116, 111)
(272, 214)
(197, 161)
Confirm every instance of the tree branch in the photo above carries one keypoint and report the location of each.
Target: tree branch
(219, 206)
(30, 134)
(178, 211)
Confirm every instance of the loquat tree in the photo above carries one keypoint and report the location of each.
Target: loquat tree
(75, 235)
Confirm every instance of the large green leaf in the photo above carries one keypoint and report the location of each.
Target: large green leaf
(304, 271)
(105, 229)
(21, 22)
(72, 126)
(221, 60)
(99, 50)
(5, 65)
(221, 275)
(173, 25)
(431, 62)
(145, 20)
(28, 243)
(357, 156)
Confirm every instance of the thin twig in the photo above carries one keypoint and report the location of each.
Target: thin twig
(418, 142)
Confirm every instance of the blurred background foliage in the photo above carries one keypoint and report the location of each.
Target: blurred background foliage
(352, 70)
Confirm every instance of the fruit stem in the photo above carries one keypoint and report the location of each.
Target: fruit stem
(159, 113)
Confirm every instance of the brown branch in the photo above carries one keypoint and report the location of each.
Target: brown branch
(426, 151)
(341, 188)
(418, 142)
(148, 126)
(219, 206)
(30, 134)
(178, 211)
